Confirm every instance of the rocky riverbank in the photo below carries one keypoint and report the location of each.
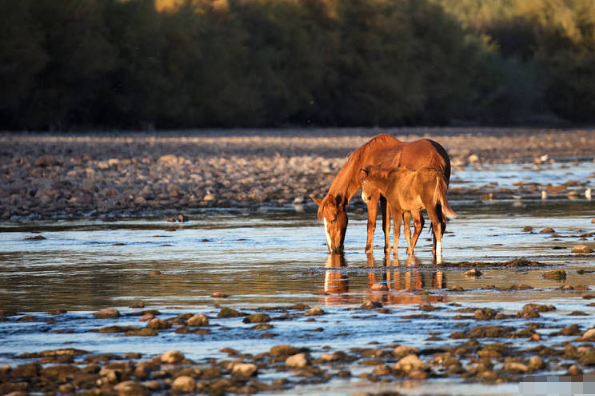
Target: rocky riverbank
(103, 174)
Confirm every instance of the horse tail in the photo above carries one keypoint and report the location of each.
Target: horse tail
(440, 197)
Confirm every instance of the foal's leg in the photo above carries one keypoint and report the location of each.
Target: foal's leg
(418, 225)
(372, 214)
(407, 230)
(385, 210)
(397, 219)
(437, 231)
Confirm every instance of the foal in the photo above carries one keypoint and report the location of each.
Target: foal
(407, 190)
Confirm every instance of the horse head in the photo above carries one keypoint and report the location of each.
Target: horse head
(332, 210)
(367, 189)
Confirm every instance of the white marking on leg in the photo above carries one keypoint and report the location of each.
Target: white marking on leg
(438, 252)
(328, 237)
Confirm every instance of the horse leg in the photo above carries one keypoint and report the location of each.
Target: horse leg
(372, 214)
(385, 209)
(397, 219)
(407, 230)
(418, 225)
(437, 231)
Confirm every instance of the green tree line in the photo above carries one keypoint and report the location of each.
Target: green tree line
(253, 63)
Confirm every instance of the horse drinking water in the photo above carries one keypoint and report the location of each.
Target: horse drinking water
(386, 151)
(406, 190)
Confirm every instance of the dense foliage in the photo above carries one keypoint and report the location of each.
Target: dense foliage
(197, 63)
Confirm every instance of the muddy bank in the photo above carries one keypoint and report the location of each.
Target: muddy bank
(163, 174)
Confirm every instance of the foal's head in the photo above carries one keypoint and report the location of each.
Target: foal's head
(332, 210)
(370, 177)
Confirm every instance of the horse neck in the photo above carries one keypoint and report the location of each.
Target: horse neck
(346, 182)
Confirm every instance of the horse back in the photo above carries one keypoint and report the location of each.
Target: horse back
(425, 153)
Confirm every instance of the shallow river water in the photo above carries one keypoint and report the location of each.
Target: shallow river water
(277, 257)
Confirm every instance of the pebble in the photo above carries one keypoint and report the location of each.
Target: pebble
(184, 383)
(244, 370)
(473, 273)
(410, 363)
(172, 357)
(299, 360)
(257, 318)
(316, 311)
(581, 249)
(107, 313)
(198, 320)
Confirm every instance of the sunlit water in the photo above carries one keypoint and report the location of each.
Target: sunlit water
(269, 258)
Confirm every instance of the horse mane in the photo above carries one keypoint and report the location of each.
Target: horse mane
(339, 190)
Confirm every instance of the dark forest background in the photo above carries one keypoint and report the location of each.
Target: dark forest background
(253, 63)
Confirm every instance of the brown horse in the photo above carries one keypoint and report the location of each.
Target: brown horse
(386, 151)
(406, 190)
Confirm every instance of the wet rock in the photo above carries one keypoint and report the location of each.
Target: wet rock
(581, 249)
(257, 318)
(228, 313)
(473, 273)
(172, 357)
(547, 230)
(154, 273)
(456, 288)
(284, 350)
(379, 287)
(427, 307)
(381, 369)
(527, 229)
(245, 370)
(588, 335)
(516, 367)
(571, 330)
(574, 370)
(485, 314)
(107, 313)
(410, 363)
(299, 360)
(184, 383)
(370, 305)
(536, 363)
(219, 295)
(403, 350)
(141, 332)
(558, 274)
(158, 324)
(36, 238)
(198, 320)
(130, 388)
(316, 311)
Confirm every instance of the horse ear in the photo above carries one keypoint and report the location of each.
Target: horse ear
(364, 172)
(318, 201)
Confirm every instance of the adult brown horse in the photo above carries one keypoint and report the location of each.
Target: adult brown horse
(386, 151)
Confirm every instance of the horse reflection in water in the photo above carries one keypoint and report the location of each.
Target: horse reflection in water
(393, 286)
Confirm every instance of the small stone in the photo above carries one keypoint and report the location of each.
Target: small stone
(172, 357)
(182, 218)
(245, 370)
(36, 238)
(485, 314)
(316, 311)
(381, 369)
(141, 332)
(559, 274)
(402, 351)
(45, 161)
(158, 324)
(299, 360)
(536, 363)
(379, 287)
(219, 295)
(198, 320)
(184, 383)
(588, 335)
(107, 313)
(473, 273)
(257, 318)
(581, 249)
(283, 350)
(130, 388)
(410, 363)
(574, 370)
(547, 230)
(370, 305)
(527, 229)
(155, 272)
(570, 330)
(228, 313)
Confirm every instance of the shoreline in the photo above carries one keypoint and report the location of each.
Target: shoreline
(75, 175)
